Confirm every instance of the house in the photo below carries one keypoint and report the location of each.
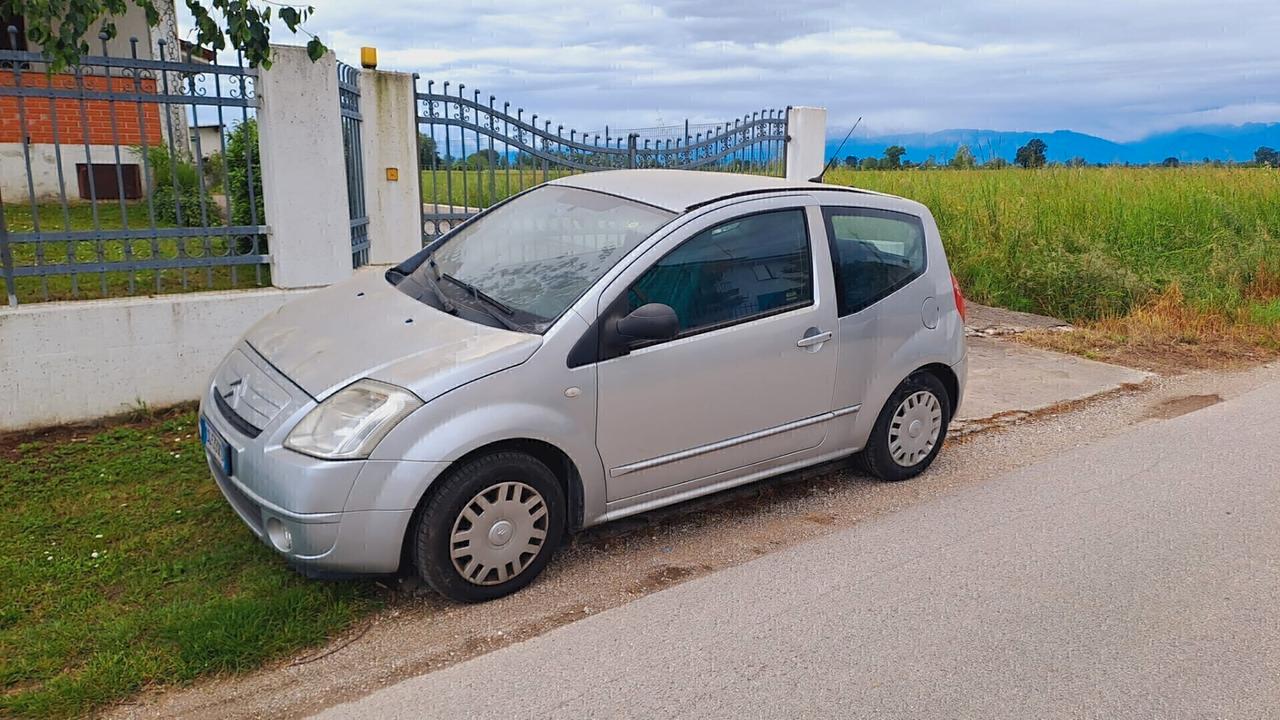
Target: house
(206, 138)
(80, 135)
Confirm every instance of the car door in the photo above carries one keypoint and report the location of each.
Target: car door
(880, 260)
(748, 377)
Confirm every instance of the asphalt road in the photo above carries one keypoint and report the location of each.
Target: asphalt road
(1137, 577)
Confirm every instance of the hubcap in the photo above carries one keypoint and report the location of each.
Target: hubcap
(915, 427)
(498, 533)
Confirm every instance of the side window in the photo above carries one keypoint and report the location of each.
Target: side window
(745, 268)
(875, 253)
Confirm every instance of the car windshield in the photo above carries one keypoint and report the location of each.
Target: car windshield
(538, 253)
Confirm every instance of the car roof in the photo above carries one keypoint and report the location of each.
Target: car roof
(680, 190)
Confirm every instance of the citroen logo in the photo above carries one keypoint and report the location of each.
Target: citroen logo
(233, 391)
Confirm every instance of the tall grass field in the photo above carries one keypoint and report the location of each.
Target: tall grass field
(1091, 243)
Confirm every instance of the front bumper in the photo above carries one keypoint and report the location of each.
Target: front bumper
(316, 513)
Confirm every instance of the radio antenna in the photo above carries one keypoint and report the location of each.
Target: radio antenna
(840, 147)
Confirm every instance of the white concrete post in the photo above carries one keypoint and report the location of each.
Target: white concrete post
(806, 142)
(389, 140)
(304, 180)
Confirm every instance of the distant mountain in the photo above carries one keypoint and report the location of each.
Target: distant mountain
(1217, 142)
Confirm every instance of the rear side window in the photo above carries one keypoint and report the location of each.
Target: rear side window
(875, 253)
(746, 268)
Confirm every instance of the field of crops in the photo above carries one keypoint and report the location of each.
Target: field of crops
(1090, 243)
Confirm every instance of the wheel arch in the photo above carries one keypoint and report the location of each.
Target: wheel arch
(556, 460)
(948, 378)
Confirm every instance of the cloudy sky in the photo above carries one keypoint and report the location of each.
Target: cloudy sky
(1121, 69)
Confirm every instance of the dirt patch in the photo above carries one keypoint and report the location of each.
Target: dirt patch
(1173, 407)
(12, 442)
(821, 518)
(1167, 337)
(665, 576)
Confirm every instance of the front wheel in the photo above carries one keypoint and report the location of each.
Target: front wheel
(490, 528)
(910, 429)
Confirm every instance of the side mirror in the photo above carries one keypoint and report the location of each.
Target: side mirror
(654, 321)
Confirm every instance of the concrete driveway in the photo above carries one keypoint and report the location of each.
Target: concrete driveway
(1135, 577)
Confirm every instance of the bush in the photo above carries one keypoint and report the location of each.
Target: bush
(176, 191)
(241, 141)
(242, 145)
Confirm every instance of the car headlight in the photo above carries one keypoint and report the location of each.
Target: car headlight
(351, 422)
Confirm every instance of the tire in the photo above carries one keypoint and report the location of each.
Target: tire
(892, 453)
(496, 506)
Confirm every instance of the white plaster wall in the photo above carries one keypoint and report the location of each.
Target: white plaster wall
(303, 169)
(70, 361)
(389, 139)
(806, 148)
(44, 169)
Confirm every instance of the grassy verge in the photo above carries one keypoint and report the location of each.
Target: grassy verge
(1145, 260)
(82, 217)
(124, 567)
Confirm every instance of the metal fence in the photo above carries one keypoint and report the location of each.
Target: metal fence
(349, 104)
(473, 153)
(128, 175)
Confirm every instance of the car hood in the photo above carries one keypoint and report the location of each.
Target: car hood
(365, 327)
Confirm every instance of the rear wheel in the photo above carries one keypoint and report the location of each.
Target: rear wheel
(910, 429)
(490, 527)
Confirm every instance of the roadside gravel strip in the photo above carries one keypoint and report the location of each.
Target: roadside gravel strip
(617, 563)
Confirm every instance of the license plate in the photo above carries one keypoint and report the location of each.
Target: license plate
(216, 445)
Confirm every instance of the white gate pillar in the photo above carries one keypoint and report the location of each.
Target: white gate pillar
(304, 181)
(806, 142)
(389, 139)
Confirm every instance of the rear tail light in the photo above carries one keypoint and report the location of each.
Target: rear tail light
(955, 290)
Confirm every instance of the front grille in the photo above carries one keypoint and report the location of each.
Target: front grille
(244, 427)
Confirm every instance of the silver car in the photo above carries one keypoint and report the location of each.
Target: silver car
(597, 346)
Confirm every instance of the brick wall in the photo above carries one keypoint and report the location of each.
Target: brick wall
(72, 122)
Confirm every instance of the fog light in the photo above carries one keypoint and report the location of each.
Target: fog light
(280, 536)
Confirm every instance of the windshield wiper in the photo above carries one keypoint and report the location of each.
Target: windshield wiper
(478, 294)
(445, 303)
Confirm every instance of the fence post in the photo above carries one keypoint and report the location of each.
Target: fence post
(390, 140)
(806, 142)
(631, 150)
(303, 169)
(6, 258)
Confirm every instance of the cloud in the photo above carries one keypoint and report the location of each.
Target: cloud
(1118, 69)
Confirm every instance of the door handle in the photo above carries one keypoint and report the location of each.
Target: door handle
(815, 339)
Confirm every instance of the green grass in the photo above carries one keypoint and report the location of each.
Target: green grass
(446, 186)
(80, 217)
(124, 567)
(1089, 243)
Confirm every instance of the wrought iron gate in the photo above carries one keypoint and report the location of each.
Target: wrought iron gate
(349, 104)
(471, 154)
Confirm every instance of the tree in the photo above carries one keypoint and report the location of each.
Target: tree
(1077, 162)
(1266, 156)
(870, 163)
(483, 159)
(427, 151)
(1170, 162)
(1031, 155)
(60, 26)
(963, 159)
(997, 163)
(893, 157)
(851, 161)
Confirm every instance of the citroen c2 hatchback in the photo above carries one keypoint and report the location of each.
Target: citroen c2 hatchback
(594, 347)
